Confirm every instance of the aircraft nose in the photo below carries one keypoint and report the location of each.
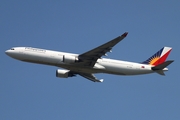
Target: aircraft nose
(12, 53)
(7, 52)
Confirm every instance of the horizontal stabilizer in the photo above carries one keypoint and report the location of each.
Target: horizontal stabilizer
(161, 72)
(162, 65)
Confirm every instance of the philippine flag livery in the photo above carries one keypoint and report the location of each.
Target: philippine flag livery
(158, 57)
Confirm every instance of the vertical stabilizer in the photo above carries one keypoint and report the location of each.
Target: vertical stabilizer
(159, 57)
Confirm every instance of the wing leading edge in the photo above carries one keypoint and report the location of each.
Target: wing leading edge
(89, 58)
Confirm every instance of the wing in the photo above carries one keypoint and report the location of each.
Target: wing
(89, 58)
(90, 77)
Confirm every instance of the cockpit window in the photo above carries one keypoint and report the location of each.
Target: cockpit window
(12, 48)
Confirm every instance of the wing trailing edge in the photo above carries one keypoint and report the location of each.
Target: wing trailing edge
(90, 77)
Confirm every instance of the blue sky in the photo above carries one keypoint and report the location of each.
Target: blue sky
(31, 91)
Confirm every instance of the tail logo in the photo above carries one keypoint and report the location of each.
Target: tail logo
(153, 60)
(158, 57)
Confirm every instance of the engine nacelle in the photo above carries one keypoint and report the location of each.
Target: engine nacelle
(63, 73)
(69, 59)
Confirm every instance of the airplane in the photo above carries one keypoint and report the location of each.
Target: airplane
(91, 62)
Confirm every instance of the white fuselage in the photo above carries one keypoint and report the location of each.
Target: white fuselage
(55, 58)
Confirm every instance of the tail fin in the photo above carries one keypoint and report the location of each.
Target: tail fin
(159, 57)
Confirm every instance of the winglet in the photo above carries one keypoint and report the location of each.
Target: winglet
(125, 34)
(101, 80)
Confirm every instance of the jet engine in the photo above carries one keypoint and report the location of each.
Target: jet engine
(63, 73)
(70, 59)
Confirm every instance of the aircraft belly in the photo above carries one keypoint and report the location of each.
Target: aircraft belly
(126, 69)
(82, 69)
